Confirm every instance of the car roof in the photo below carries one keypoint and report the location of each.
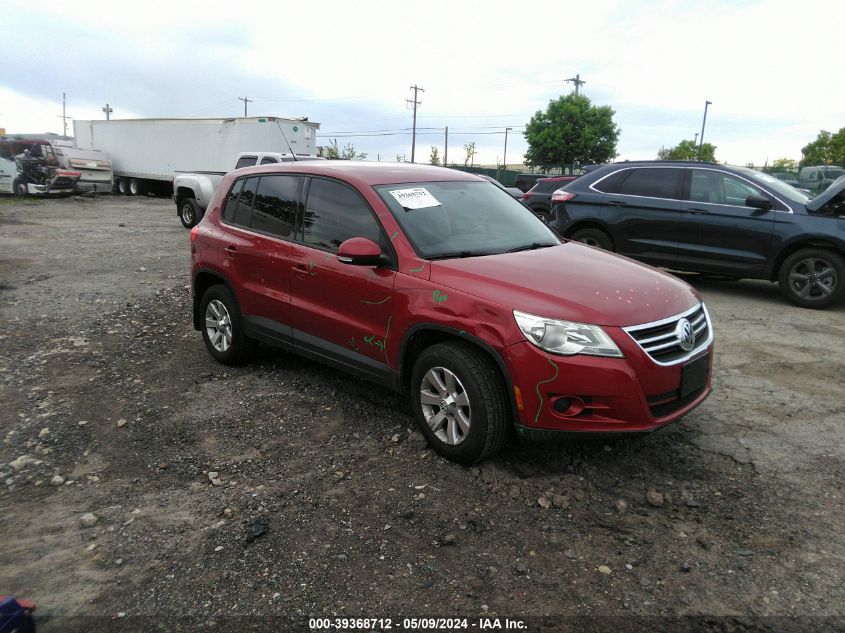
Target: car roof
(366, 172)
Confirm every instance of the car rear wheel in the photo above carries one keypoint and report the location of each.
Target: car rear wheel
(594, 237)
(222, 327)
(189, 213)
(135, 187)
(122, 186)
(459, 402)
(812, 278)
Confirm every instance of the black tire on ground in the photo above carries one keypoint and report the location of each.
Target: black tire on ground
(594, 237)
(20, 188)
(812, 278)
(478, 383)
(189, 212)
(136, 187)
(219, 312)
(122, 186)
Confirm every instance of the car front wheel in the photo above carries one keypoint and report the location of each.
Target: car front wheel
(812, 278)
(459, 402)
(222, 327)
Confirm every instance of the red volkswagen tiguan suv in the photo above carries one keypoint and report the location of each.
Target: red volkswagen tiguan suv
(432, 282)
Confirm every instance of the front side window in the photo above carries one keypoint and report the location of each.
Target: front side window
(276, 200)
(463, 219)
(717, 187)
(335, 212)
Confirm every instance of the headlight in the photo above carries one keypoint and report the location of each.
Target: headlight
(566, 337)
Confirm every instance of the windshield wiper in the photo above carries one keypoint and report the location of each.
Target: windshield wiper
(457, 254)
(529, 247)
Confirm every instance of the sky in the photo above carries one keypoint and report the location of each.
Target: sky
(772, 69)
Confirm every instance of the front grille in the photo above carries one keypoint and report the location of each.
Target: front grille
(660, 341)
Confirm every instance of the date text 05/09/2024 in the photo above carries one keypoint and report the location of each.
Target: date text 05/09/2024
(416, 624)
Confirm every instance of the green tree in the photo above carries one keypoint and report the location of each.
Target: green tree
(784, 165)
(571, 130)
(826, 149)
(434, 159)
(469, 153)
(688, 150)
(347, 153)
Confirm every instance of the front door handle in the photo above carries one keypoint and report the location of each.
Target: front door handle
(617, 203)
(231, 250)
(699, 211)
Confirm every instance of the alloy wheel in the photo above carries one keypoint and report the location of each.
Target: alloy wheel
(218, 325)
(813, 278)
(445, 405)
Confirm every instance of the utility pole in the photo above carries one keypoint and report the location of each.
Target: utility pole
(416, 89)
(703, 123)
(577, 81)
(245, 100)
(108, 110)
(472, 156)
(446, 149)
(695, 142)
(505, 153)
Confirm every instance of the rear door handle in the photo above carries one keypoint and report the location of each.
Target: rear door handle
(231, 249)
(617, 203)
(699, 211)
(301, 269)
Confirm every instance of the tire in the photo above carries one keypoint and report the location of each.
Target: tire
(136, 188)
(594, 237)
(20, 188)
(463, 433)
(812, 278)
(122, 186)
(225, 338)
(189, 212)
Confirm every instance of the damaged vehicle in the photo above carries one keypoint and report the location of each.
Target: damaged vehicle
(30, 167)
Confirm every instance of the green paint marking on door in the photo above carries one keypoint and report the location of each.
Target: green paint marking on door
(375, 303)
(438, 297)
(542, 382)
(416, 270)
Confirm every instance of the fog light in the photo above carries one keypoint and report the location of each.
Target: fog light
(567, 406)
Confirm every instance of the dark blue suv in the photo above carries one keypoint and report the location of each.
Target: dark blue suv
(710, 218)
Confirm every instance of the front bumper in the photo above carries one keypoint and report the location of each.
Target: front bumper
(608, 395)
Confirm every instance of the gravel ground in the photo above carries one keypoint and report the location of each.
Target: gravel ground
(140, 481)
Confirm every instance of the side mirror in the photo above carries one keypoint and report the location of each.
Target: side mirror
(359, 251)
(758, 202)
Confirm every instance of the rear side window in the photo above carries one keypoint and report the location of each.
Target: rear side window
(232, 201)
(650, 182)
(548, 186)
(334, 212)
(267, 160)
(276, 200)
(246, 161)
(243, 209)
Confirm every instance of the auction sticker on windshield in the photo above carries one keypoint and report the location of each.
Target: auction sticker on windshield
(416, 198)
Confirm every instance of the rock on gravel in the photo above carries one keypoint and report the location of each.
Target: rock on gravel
(604, 569)
(654, 498)
(57, 480)
(88, 519)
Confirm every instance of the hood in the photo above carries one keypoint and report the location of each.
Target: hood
(570, 281)
(826, 196)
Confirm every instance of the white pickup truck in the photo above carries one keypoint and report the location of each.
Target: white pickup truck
(192, 192)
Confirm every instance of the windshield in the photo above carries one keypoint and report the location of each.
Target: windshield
(463, 219)
(778, 186)
(833, 173)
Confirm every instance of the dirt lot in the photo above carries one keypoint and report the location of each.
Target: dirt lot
(112, 406)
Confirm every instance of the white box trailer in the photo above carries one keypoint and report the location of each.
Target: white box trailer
(146, 154)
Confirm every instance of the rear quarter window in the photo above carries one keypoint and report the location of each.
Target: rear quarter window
(246, 161)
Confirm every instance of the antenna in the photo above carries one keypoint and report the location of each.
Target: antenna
(286, 141)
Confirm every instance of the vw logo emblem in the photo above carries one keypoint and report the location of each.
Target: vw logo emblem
(685, 334)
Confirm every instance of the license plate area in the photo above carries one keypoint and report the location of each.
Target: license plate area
(694, 375)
